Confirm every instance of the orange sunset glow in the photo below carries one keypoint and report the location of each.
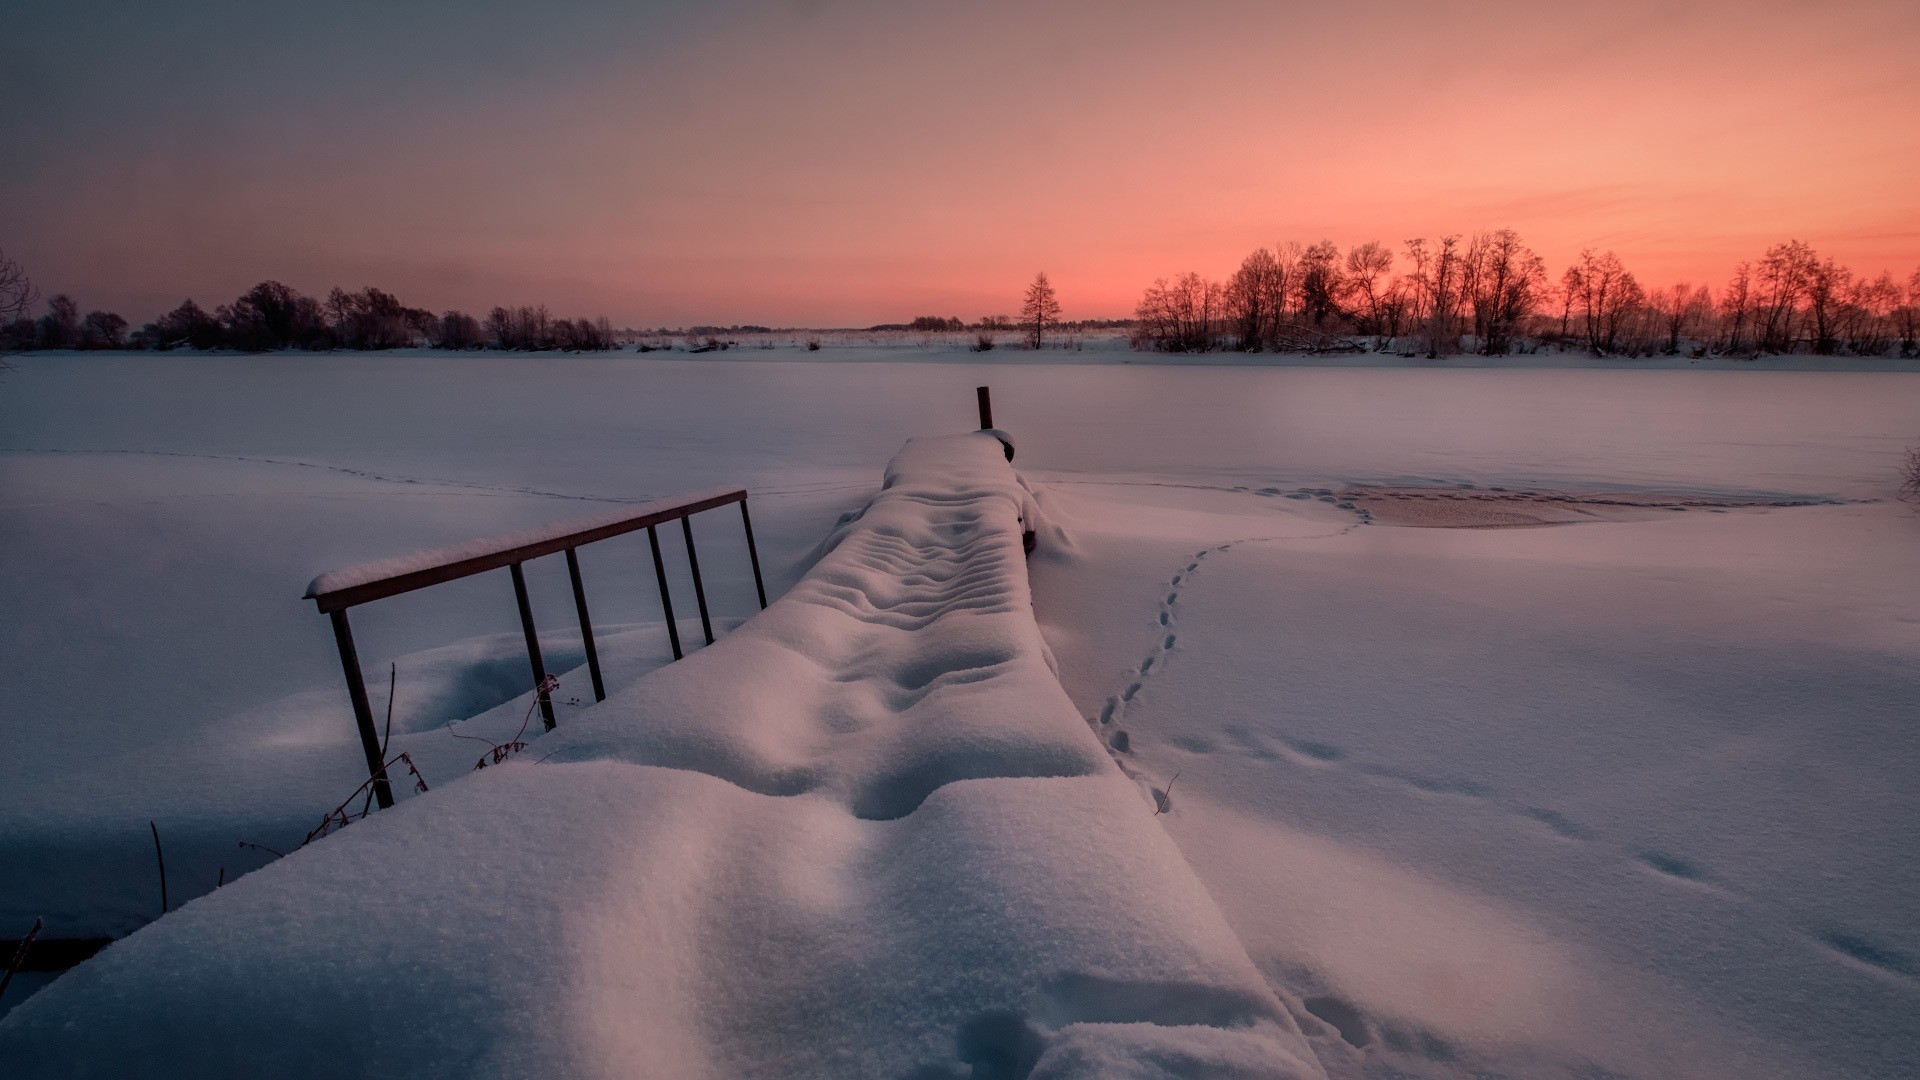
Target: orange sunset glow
(826, 163)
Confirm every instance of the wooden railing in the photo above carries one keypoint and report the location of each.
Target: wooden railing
(339, 590)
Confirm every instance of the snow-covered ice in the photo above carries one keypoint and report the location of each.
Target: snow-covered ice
(865, 834)
(1623, 798)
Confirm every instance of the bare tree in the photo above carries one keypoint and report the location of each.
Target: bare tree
(1736, 305)
(1677, 311)
(1369, 271)
(1256, 299)
(1826, 286)
(1781, 283)
(457, 330)
(1040, 309)
(1569, 294)
(1869, 313)
(104, 330)
(1436, 277)
(373, 319)
(1180, 316)
(16, 297)
(1286, 260)
(186, 326)
(1699, 317)
(1910, 317)
(1609, 298)
(1621, 327)
(339, 311)
(273, 316)
(1502, 280)
(1320, 282)
(60, 326)
(16, 290)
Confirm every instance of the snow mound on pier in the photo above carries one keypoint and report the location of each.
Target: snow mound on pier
(867, 834)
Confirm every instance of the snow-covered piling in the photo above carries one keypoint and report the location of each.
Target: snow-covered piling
(865, 834)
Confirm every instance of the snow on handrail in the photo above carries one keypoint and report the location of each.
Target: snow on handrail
(336, 591)
(355, 585)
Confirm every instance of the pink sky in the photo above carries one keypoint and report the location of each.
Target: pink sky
(850, 163)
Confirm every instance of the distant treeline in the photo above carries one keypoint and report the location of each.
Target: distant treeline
(1492, 295)
(1488, 294)
(272, 316)
(928, 324)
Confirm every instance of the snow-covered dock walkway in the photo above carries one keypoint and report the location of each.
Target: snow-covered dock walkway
(865, 835)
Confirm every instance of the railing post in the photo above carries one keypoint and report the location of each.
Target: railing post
(986, 407)
(533, 644)
(699, 591)
(666, 596)
(753, 554)
(362, 710)
(586, 624)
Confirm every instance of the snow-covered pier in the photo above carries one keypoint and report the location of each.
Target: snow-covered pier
(866, 834)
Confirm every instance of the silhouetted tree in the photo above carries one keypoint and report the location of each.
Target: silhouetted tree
(16, 290)
(1780, 285)
(1567, 296)
(1291, 298)
(272, 316)
(373, 319)
(1869, 318)
(1502, 280)
(1181, 316)
(18, 335)
(60, 326)
(582, 335)
(457, 330)
(1609, 297)
(1256, 300)
(103, 330)
(935, 324)
(16, 297)
(1736, 305)
(1320, 282)
(1910, 317)
(338, 310)
(185, 326)
(1368, 276)
(1827, 285)
(1436, 284)
(1679, 312)
(1040, 309)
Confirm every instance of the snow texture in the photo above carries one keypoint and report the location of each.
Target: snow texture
(866, 834)
(399, 565)
(1624, 798)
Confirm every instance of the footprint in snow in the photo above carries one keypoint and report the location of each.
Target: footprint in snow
(1673, 865)
(1864, 950)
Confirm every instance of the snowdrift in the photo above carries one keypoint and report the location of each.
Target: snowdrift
(866, 834)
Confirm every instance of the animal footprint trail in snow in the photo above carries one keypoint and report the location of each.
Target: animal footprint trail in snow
(1168, 638)
(1118, 742)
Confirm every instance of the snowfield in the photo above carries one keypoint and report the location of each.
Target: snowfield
(1628, 796)
(865, 834)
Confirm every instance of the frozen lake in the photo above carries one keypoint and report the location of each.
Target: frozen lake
(1624, 798)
